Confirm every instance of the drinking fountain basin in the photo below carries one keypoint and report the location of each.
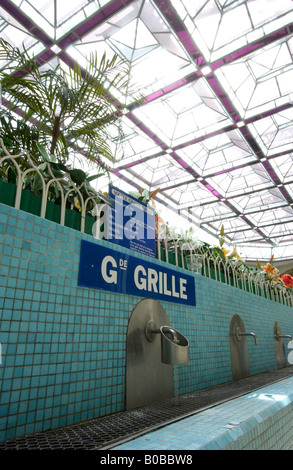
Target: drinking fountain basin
(174, 345)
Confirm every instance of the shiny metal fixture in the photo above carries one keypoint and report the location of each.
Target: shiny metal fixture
(174, 346)
(239, 348)
(238, 333)
(151, 329)
(151, 351)
(281, 355)
(278, 337)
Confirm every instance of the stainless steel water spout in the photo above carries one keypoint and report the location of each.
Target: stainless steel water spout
(174, 350)
(151, 329)
(239, 333)
(277, 336)
(167, 329)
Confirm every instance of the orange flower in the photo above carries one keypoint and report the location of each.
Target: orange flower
(268, 268)
(271, 271)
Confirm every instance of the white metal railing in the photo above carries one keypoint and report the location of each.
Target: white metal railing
(228, 271)
(71, 187)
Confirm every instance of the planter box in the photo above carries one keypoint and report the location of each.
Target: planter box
(31, 203)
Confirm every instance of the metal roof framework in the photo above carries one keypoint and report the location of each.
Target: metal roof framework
(215, 130)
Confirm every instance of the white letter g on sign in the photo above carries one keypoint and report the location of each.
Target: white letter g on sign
(109, 275)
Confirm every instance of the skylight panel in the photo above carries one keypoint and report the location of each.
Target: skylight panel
(231, 225)
(289, 188)
(245, 236)
(138, 34)
(157, 70)
(133, 40)
(272, 216)
(283, 167)
(229, 3)
(42, 22)
(241, 180)
(44, 8)
(206, 161)
(161, 175)
(65, 10)
(189, 195)
(268, 11)
(274, 134)
(230, 28)
(55, 18)
(215, 25)
(280, 230)
(259, 81)
(261, 200)
(284, 252)
(174, 124)
(212, 212)
(248, 250)
(80, 52)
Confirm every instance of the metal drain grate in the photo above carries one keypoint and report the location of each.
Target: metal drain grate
(106, 432)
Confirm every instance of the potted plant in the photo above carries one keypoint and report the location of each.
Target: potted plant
(55, 114)
(71, 109)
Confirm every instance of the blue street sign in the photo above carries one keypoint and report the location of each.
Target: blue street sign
(107, 269)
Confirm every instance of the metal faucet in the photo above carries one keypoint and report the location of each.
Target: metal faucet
(277, 336)
(151, 329)
(172, 332)
(167, 329)
(239, 333)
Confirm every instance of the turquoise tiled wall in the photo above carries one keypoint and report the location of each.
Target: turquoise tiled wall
(63, 346)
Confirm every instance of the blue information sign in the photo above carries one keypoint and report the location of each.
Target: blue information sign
(132, 223)
(107, 269)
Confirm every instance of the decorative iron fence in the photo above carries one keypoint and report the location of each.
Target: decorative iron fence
(71, 203)
(171, 250)
(228, 271)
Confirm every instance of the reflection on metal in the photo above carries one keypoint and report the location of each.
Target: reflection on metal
(174, 352)
(174, 349)
(229, 271)
(152, 348)
(239, 333)
(239, 349)
(147, 379)
(279, 346)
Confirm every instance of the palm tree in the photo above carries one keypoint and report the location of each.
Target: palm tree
(65, 109)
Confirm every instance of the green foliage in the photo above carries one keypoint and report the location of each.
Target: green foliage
(18, 135)
(63, 110)
(53, 113)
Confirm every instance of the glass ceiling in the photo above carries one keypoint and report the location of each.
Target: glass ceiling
(215, 133)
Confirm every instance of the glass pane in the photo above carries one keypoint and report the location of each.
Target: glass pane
(214, 128)
(241, 181)
(260, 80)
(274, 134)
(259, 201)
(217, 154)
(215, 25)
